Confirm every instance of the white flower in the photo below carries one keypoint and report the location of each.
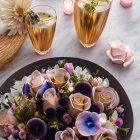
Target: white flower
(110, 123)
(83, 74)
(12, 14)
(19, 84)
(103, 82)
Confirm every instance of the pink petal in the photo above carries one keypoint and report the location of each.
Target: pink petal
(117, 48)
(50, 99)
(107, 132)
(128, 62)
(114, 60)
(100, 105)
(57, 135)
(81, 127)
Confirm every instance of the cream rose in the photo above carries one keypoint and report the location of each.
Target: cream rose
(68, 134)
(120, 53)
(107, 96)
(58, 77)
(50, 99)
(35, 81)
(104, 133)
(78, 103)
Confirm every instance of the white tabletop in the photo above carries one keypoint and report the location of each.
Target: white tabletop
(123, 24)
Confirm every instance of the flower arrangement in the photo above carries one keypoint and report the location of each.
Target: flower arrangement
(62, 103)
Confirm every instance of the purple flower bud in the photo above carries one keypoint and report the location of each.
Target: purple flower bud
(69, 67)
(14, 132)
(119, 122)
(120, 110)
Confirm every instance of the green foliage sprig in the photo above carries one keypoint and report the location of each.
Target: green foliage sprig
(91, 7)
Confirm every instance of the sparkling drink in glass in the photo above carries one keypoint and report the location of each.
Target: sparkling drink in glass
(90, 18)
(41, 31)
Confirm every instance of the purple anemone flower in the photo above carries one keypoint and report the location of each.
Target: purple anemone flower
(87, 123)
(26, 89)
(36, 128)
(83, 87)
(43, 88)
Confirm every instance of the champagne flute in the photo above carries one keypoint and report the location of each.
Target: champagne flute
(90, 18)
(41, 24)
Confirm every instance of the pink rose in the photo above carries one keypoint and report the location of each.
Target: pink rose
(36, 80)
(67, 134)
(78, 103)
(108, 96)
(50, 99)
(69, 67)
(104, 133)
(58, 77)
(120, 53)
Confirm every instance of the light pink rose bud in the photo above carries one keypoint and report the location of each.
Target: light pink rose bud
(69, 67)
(120, 110)
(94, 82)
(50, 99)
(119, 53)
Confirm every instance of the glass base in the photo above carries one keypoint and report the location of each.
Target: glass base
(87, 45)
(42, 52)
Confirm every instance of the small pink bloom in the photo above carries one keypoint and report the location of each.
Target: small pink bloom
(94, 82)
(22, 134)
(14, 107)
(110, 107)
(119, 53)
(69, 67)
(54, 123)
(21, 126)
(120, 110)
(67, 118)
(14, 132)
(6, 130)
(119, 122)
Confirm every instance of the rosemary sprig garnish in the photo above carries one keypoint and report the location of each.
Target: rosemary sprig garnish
(91, 7)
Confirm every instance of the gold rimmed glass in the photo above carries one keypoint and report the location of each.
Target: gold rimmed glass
(42, 33)
(89, 25)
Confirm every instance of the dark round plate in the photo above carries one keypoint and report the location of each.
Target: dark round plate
(27, 70)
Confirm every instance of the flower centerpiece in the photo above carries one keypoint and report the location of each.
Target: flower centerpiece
(62, 103)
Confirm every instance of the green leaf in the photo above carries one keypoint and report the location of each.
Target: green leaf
(5, 105)
(96, 74)
(61, 65)
(9, 103)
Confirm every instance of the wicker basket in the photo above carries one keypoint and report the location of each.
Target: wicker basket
(9, 47)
